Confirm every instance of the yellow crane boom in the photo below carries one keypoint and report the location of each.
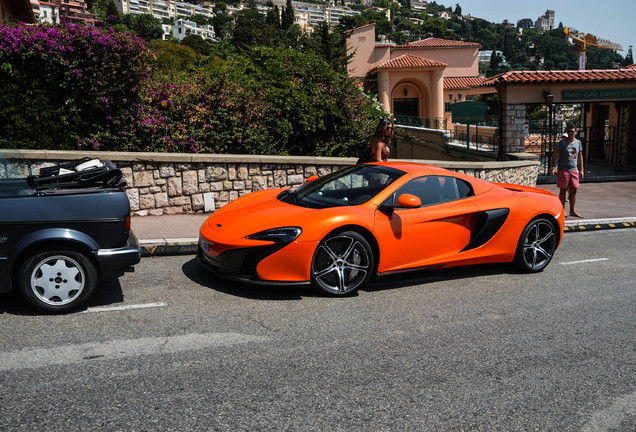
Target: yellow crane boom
(584, 40)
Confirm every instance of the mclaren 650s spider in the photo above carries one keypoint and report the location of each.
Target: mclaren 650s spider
(338, 231)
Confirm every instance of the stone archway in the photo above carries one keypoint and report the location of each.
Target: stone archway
(410, 101)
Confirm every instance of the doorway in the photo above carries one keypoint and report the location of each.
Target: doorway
(406, 107)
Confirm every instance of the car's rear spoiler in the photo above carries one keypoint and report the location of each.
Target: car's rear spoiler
(522, 188)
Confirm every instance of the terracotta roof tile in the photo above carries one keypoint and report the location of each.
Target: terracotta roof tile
(456, 83)
(566, 76)
(439, 43)
(409, 61)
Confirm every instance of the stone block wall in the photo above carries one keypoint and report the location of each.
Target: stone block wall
(165, 188)
(514, 120)
(168, 183)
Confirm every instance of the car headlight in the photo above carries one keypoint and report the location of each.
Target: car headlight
(278, 235)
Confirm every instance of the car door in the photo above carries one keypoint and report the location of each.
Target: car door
(430, 234)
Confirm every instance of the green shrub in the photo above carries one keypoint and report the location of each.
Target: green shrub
(57, 83)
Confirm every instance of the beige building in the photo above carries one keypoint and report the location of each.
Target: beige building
(419, 79)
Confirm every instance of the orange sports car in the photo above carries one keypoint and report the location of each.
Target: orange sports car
(337, 231)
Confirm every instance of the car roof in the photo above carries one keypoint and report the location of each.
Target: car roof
(420, 169)
(416, 169)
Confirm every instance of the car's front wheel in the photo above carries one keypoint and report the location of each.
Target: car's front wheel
(536, 245)
(342, 263)
(57, 281)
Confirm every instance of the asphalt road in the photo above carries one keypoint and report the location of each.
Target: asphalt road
(169, 348)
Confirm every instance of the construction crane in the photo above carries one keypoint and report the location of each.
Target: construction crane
(584, 40)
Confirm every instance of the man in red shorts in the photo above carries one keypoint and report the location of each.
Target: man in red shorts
(568, 153)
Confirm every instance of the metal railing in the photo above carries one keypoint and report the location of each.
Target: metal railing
(429, 123)
(484, 135)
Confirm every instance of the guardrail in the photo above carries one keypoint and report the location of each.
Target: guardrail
(429, 123)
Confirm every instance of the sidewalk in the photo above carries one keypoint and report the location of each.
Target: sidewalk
(604, 205)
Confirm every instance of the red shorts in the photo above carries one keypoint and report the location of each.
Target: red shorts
(567, 179)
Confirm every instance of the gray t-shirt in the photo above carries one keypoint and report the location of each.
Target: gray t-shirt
(568, 154)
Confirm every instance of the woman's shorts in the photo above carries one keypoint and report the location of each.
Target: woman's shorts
(567, 179)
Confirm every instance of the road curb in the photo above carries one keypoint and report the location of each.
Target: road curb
(188, 246)
(599, 224)
(168, 247)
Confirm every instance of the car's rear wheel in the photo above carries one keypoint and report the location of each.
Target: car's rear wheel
(57, 281)
(343, 263)
(536, 245)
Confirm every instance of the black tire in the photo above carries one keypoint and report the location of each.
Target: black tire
(536, 245)
(57, 281)
(342, 263)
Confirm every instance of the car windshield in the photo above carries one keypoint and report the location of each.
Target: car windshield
(347, 187)
(14, 169)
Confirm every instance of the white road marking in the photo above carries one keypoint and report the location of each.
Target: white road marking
(120, 308)
(109, 350)
(613, 416)
(585, 261)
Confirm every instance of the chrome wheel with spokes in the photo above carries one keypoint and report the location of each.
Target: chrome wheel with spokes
(342, 263)
(536, 246)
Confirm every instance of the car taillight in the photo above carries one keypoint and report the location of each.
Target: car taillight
(127, 223)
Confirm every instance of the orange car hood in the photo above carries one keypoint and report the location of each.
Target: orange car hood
(260, 213)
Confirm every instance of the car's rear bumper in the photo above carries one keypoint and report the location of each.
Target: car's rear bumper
(118, 260)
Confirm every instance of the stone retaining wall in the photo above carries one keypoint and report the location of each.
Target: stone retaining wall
(169, 183)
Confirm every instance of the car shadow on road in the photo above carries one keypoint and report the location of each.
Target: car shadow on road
(11, 303)
(418, 277)
(108, 292)
(197, 274)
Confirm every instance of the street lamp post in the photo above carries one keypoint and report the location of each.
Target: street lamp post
(549, 99)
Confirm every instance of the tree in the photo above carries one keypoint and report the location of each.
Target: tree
(288, 15)
(315, 110)
(173, 56)
(273, 17)
(197, 43)
(629, 59)
(383, 27)
(458, 9)
(199, 19)
(145, 26)
(436, 27)
(349, 22)
(221, 23)
(219, 7)
(331, 46)
(251, 29)
(525, 23)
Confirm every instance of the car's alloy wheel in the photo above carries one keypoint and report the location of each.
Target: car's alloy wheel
(537, 245)
(342, 263)
(57, 280)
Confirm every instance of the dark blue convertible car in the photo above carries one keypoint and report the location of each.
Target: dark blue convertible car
(61, 229)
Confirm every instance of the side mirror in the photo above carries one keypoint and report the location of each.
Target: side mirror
(408, 201)
(312, 178)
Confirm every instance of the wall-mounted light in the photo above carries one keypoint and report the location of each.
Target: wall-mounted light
(548, 96)
(406, 92)
(458, 98)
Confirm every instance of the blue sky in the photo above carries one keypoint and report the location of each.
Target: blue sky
(614, 20)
